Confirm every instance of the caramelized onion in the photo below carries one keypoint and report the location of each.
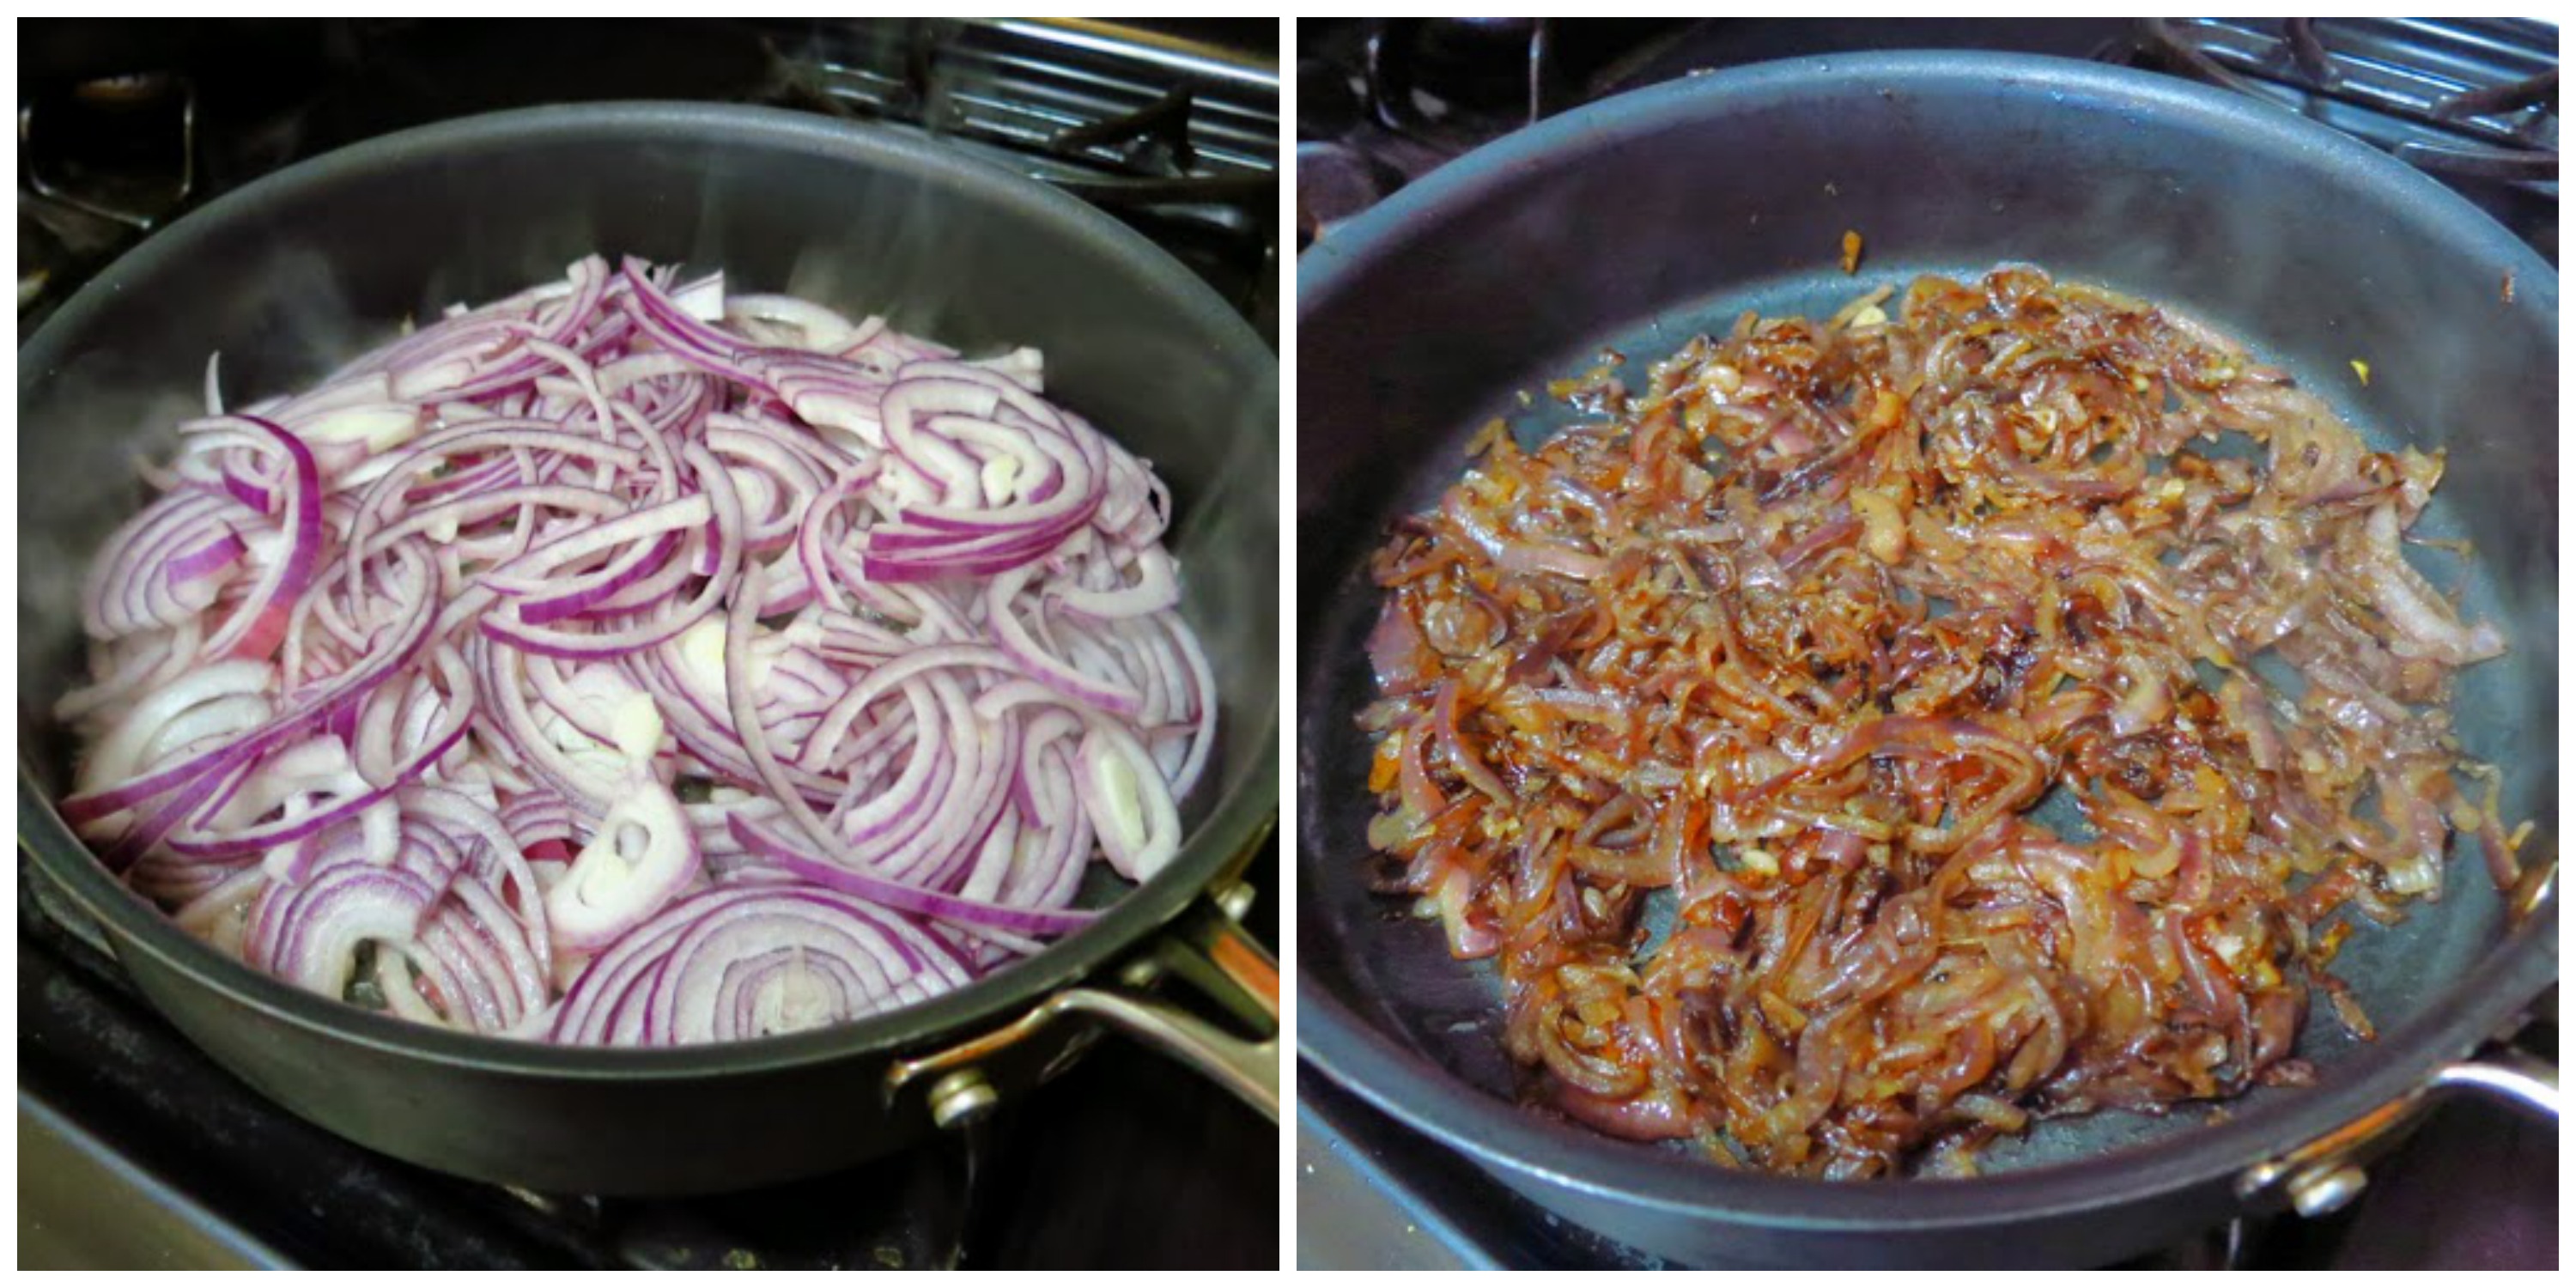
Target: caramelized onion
(1799, 639)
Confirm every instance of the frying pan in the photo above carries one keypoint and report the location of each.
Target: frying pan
(292, 275)
(1651, 217)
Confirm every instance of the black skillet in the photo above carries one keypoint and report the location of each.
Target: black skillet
(292, 275)
(1647, 218)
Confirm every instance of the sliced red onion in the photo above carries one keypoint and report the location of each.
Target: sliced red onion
(402, 639)
(255, 629)
(1129, 803)
(2426, 624)
(482, 959)
(907, 898)
(309, 934)
(428, 657)
(643, 853)
(357, 794)
(1001, 600)
(160, 569)
(219, 552)
(680, 977)
(122, 753)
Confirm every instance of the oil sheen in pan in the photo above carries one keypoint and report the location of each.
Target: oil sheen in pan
(1451, 1010)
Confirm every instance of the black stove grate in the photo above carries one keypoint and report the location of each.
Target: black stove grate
(2475, 98)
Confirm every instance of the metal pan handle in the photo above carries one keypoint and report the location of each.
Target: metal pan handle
(2325, 1174)
(2516, 1078)
(2510, 1075)
(1208, 949)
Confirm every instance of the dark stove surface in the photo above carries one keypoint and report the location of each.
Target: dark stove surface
(134, 1149)
(1383, 102)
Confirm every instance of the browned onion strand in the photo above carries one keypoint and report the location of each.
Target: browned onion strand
(1801, 636)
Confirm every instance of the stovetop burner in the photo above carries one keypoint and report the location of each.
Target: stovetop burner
(1383, 102)
(135, 1150)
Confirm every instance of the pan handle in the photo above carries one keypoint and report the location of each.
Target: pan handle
(2325, 1174)
(2509, 1074)
(2516, 1078)
(1207, 948)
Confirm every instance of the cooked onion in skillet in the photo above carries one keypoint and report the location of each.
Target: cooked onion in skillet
(1874, 734)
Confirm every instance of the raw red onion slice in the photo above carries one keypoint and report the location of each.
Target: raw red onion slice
(643, 853)
(907, 898)
(162, 568)
(309, 934)
(891, 960)
(1129, 803)
(1001, 599)
(403, 638)
(255, 629)
(206, 843)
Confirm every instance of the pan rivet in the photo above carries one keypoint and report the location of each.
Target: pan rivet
(2319, 1191)
(962, 1099)
(1236, 900)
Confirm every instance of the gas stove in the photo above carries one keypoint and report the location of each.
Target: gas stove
(2471, 102)
(135, 1150)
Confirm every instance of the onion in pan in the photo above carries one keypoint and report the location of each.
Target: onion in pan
(1872, 734)
(628, 661)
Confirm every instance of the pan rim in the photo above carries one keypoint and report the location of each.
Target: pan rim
(1631, 111)
(1235, 820)
(1502, 1135)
